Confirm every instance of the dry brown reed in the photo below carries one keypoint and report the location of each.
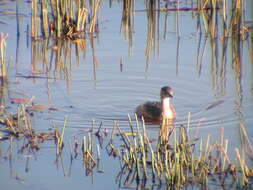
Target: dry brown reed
(217, 12)
(63, 19)
(3, 72)
(89, 161)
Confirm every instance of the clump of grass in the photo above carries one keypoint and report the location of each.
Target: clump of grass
(237, 20)
(178, 163)
(210, 17)
(19, 125)
(232, 21)
(63, 19)
(89, 161)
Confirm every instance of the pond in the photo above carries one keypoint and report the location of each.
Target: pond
(104, 77)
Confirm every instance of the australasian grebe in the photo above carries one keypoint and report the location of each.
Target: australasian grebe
(157, 111)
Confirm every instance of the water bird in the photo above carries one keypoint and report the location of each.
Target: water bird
(158, 111)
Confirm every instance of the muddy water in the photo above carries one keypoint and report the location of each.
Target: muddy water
(107, 82)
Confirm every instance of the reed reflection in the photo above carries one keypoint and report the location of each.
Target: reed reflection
(151, 29)
(127, 23)
(94, 59)
(237, 67)
(54, 59)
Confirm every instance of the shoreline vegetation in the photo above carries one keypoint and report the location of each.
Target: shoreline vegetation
(176, 161)
(64, 19)
(55, 30)
(74, 20)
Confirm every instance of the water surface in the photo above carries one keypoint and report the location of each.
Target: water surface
(215, 92)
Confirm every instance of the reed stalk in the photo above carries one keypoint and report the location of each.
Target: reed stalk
(225, 155)
(243, 167)
(84, 145)
(3, 72)
(44, 13)
(178, 165)
(60, 138)
(34, 22)
(94, 15)
(89, 161)
(224, 13)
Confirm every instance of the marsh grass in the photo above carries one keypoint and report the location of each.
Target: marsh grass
(226, 15)
(181, 161)
(177, 161)
(89, 162)
(215, 14)
(64, 19)
(19, 126)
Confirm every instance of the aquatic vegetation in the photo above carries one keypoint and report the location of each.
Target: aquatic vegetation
(19, 126)
(63, 19)
(89, 161)
(3, 72)
(176, 161)
(182, 162)
(59, 138)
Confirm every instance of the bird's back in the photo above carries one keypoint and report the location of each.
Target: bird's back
(150, 111)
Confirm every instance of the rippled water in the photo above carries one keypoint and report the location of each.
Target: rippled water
(212, 93)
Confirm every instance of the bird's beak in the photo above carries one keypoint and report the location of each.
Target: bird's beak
(170, 94)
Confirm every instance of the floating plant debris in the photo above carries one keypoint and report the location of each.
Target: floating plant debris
(19, 100)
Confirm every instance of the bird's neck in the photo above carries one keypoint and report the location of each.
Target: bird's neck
(167, 112)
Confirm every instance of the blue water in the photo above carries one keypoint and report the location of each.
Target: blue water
(110, 90)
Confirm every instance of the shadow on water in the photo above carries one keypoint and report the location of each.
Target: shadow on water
(76, 75)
